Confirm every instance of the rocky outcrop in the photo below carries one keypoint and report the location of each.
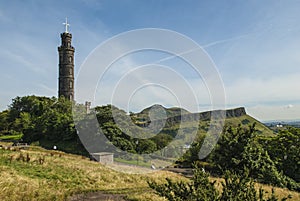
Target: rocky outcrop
(237, 112)
(203, 116)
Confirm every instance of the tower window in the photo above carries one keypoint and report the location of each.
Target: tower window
(71, 84)
(70, 59)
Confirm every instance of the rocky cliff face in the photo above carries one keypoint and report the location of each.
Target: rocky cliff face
(203, 116)
(237, 112)
(207, 115)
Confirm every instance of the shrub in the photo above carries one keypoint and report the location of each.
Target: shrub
(235, 187)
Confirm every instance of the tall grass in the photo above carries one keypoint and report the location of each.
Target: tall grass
(54, 175)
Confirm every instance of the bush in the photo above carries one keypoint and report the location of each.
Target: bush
(236, 187)
(239, 148)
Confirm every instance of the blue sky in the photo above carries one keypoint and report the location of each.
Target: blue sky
(254, 44)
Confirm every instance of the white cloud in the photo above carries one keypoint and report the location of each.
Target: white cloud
(267, 99)
(254, 91)
(265, 112)
(289, 106)
(258, 68)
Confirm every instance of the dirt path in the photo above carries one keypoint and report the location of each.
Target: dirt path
(104, 196)
(97, 196)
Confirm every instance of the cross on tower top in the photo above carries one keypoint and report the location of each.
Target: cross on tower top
(66, 25)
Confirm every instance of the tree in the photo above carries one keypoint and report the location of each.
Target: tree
(229, 150)
(239, 148)
(161, 140)
(199, 189)
(145, 146)
(110, 119)
(284, 151)
(4, 123)
(235, 187)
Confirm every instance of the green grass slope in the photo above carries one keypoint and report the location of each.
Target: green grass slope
(38, 174)
(53, 175)
(169, 112)
(246, 120)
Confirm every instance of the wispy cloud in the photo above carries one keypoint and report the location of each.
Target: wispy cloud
(21, 60)
(226, 40)
(47, 88)
(258, 67)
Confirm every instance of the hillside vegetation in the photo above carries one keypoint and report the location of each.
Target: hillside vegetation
(49, 121)
(174, 135)
(54, 175)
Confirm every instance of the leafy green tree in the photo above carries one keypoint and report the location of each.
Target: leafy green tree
(285, 152)
(34, 105)
(161, 140)
(107, 115)
(235, 187)
(239, 148)
(199, 189)
(42, 118)
(4, 123)
(145, 146)
(230, 148)
(25, 110)
(29, 130)
(59, 121)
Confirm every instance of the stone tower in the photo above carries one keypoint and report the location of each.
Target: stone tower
(66, 66)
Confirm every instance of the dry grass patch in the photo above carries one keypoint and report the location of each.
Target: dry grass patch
(62, 175)
(280, 192)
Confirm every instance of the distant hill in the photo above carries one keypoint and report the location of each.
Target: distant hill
(175, 116)
(277, 124)
(156, 108)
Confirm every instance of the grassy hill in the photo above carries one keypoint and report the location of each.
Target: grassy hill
(233, 118)
(38, 174)
(170, 112)
(54, 175)
(183, 128)
(247, 120)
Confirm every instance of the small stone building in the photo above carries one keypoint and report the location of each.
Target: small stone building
(104, 157)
